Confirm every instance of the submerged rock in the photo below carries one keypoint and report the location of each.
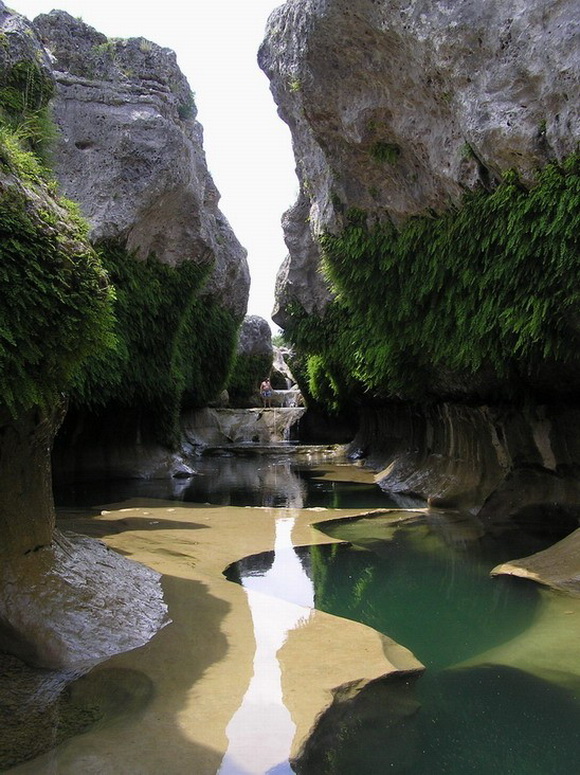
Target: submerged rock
(557, 567)
(40, 709)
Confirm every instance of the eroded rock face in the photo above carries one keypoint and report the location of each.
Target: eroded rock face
(75, 603)
(27, 516)
(298, 278)
(67, 603)
(557, 567)
(220, 427)
(508, 467)
(131, 153)
(255, 337)
(399, 107)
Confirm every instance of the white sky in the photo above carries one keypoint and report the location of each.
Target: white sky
(248, 147)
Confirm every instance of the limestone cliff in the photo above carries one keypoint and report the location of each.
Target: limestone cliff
(436, 148)
(130, 153)
(399, 107)
(128, 149)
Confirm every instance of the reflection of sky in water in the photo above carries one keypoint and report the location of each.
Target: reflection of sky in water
(436, 597)
(260, 733)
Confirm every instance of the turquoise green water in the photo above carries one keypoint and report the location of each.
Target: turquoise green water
(426, 585)
(434, 595)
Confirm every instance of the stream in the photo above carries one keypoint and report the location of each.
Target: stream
(501, 688)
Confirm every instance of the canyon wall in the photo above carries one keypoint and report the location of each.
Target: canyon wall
(433, 249)
(123, 289)
(130, 152)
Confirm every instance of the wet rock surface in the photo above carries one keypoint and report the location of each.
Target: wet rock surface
(75, 603)
(219, 427)
(41, 709)
(494, 462)
(557, 567)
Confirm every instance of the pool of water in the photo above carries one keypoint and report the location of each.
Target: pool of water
(277, 481)
(430, 590)
(425, 584)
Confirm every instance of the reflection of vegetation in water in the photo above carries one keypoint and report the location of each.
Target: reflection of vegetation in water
(439, 601)
(485, 720)
(442, 606)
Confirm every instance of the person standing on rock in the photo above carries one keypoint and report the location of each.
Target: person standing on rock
(266, 393)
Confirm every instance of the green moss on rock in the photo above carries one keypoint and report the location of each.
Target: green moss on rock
(25, 93)
(172, 343)
(246, 374)
(56, 299)
(492, 286)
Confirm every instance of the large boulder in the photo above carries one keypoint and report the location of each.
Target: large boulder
(401, 107)
(131, 154)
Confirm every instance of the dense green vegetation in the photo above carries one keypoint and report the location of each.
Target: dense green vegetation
(246, 374)
(172, 344)
(491, 285)
(149, 345)
(56, 298)
(56, 301)
(25, 92)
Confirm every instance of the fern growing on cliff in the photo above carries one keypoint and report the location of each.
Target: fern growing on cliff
(25, 92)
(173, 345)
(56, 300)
(492, 286)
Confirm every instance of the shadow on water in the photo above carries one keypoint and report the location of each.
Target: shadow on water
(40, 709)
(484, 720)
(434, 595)
(445, 609)
(426, 585)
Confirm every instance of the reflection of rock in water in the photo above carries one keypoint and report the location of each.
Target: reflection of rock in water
(252, 565)
(39, 709)
(366, 732)
(242, 481)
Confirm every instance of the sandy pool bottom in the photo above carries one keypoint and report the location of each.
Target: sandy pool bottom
(238, 677)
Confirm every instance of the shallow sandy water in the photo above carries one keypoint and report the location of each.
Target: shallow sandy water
(239, 676)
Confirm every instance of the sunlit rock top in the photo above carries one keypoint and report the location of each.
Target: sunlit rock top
(400, 106)
(131, 152)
